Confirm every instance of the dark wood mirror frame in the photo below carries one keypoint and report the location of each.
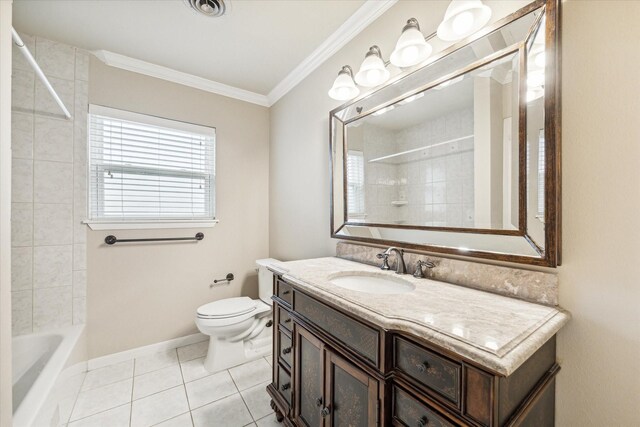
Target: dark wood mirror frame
(548, 256)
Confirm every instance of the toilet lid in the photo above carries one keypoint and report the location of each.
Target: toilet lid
(228, 307)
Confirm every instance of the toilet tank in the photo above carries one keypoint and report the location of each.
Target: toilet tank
(265, 279)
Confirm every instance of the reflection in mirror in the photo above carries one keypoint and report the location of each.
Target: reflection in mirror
(444, 157)
(535, 135)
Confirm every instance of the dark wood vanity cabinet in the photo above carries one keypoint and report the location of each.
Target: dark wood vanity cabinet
(332, 369)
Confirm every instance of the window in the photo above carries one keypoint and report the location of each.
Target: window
(144, 169)
(355, 185)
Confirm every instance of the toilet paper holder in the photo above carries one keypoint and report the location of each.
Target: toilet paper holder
(227, 279)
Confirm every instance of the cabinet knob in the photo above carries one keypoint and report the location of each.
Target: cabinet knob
(422, 367)
(286, 350)
(422, 422)
(325, 411)
(286, 292)
(319, 402)
(285, 387)
(287, 321)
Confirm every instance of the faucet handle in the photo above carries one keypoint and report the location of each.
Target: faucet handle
(385, 260)
(419, 274)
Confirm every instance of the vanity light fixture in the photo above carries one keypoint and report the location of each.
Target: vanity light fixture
(344, 88)
(412, 47)
(373, 71)
(463, 18)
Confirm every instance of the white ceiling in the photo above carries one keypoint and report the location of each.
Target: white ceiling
(253, 47)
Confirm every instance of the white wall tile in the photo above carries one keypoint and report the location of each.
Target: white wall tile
(21, 135)
(80, 256)
(44, 102)
(53, 139)
(21, 224)
(52, 224)
(21, 268)
(22, 90)
(79, 311)
(21, 306)
(53, 182)
(52, 266)
(55, 59)
(82, 65)
(22, 181)
(79, 283)
(454, 191)
(19, 62)
(52, 308)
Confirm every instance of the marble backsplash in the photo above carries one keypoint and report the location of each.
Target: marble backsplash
(533, 286)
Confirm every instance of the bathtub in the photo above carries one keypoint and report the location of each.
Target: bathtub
(38, 362)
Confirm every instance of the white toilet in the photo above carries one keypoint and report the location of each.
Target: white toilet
(240, 329)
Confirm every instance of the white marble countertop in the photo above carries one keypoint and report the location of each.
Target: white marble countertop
(497, 332)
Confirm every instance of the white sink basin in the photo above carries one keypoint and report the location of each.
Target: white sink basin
(372, 284)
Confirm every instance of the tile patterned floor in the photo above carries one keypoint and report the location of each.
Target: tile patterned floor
(171, 389)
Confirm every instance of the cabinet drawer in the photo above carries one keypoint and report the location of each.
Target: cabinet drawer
(284, 384)
(284, 319)
(429, 369)
(285, 348)
(410, 412)
(284, 291)
(353, 334)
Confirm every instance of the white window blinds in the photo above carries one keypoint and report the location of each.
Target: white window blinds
(144, 168)
(355, 184)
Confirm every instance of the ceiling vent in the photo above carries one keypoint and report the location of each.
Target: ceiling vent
(212, 8)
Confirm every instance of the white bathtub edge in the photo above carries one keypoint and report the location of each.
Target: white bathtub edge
(35, 400)
(123, 356)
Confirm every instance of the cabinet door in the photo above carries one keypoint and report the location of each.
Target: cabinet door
(308, 377)
(352, 394)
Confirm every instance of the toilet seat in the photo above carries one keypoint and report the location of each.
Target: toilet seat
(225, 308)
(230, 311)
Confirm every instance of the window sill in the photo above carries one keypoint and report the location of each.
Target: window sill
(100, 225)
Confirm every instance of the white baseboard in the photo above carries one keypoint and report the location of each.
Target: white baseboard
(123, 356)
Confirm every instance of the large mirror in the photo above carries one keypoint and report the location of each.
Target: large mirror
(459, 155)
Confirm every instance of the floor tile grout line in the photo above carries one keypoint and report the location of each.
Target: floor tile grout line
(98, 413)
(240, 393)
(75, 401)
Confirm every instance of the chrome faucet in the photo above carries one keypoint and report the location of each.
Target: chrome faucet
(401, 268)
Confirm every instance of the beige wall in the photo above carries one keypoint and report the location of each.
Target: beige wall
(5, 214)
(145, 293)
(599, 280)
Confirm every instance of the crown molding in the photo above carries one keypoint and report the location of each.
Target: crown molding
(365, 15)
(169, 74)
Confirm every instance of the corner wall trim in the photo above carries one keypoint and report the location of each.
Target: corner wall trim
(365, 15)
(123, 356)
(169, 74)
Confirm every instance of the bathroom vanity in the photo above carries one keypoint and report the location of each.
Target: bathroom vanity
(432, 354)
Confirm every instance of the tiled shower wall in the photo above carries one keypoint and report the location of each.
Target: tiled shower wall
(48, 188)
(438, 185)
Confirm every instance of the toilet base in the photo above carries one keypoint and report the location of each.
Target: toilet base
(224, 354)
